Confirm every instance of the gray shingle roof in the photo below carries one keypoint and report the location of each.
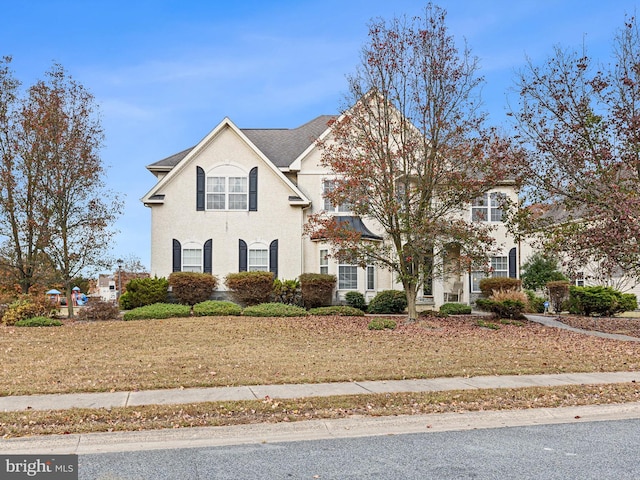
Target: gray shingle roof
(280, 145)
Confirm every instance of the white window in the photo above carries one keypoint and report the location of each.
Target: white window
(324, 261)
(328, 186)
(578, 280)
(475, 280)
(371, 277)
(487, 207)
(192, 260)
(347, 277)
(227, 188)
(499, 268)
(258, 260)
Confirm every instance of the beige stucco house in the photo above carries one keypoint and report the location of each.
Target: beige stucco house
(239, 199)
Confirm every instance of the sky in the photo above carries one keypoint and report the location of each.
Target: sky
(164, 73)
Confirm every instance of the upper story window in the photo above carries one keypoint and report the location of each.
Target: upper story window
(487, 207)
(227, 188)
(328, 186)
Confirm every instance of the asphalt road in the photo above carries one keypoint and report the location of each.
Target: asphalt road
(590, 450)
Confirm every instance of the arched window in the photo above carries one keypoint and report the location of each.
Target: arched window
(227, 188)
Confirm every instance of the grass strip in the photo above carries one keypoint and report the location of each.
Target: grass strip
(75, 421)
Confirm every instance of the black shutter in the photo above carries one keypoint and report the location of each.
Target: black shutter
(242, 248)
(177, 256)
(512, 263)
(208, 256)
(200, 179)
(273, 258)
(253, 190)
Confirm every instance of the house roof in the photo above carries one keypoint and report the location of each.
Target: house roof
(355, 223)
(280, 145)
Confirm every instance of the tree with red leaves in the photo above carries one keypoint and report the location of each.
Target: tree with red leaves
(410, 153)
(580, 126)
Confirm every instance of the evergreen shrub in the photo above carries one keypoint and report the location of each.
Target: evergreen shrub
(144, 291)
(388, 301)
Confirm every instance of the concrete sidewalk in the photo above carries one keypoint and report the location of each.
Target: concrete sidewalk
(255, 392)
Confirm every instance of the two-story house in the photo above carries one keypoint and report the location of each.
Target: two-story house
(238, 201)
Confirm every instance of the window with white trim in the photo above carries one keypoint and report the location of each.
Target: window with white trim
(324, 261)
(258, 259)
(328, 186)
(227, 188)
(192, 259)
(578, 280)
(499, 268)
(371, 277)
(347, 277)
(487, 207)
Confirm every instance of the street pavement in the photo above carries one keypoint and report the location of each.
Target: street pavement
(123, 441)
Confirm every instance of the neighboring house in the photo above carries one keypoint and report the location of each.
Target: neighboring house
(107, 289)
(109, 285)
(238, 201)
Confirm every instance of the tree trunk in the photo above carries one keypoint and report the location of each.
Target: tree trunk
(412, 312)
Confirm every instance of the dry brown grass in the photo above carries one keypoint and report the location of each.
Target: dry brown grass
(214, 351)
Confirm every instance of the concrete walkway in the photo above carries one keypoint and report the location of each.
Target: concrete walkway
(258, 392)
(552, 321)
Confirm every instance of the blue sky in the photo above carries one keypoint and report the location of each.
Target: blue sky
(164, 73)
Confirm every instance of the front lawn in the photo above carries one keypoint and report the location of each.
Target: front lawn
(221, 351)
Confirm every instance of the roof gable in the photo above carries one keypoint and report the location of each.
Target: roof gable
(281, 146)
(179, 161)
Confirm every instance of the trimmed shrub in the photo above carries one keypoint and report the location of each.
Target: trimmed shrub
(511, 309)
(144, 291)
(508, 304)
(158, 310)
(250, 288)
(382, 324)
(190, 288)
(536, 304)
(317, 289)
(216, 308)
(274, 310)
(97, 310)
(600, 301)
(493, 284)
(28, 306)
(38, 322)
(432, 314)
(455, 309)
(388, 301)
(356, 300)
(339, 310)
(287, 291)
(558, 294)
